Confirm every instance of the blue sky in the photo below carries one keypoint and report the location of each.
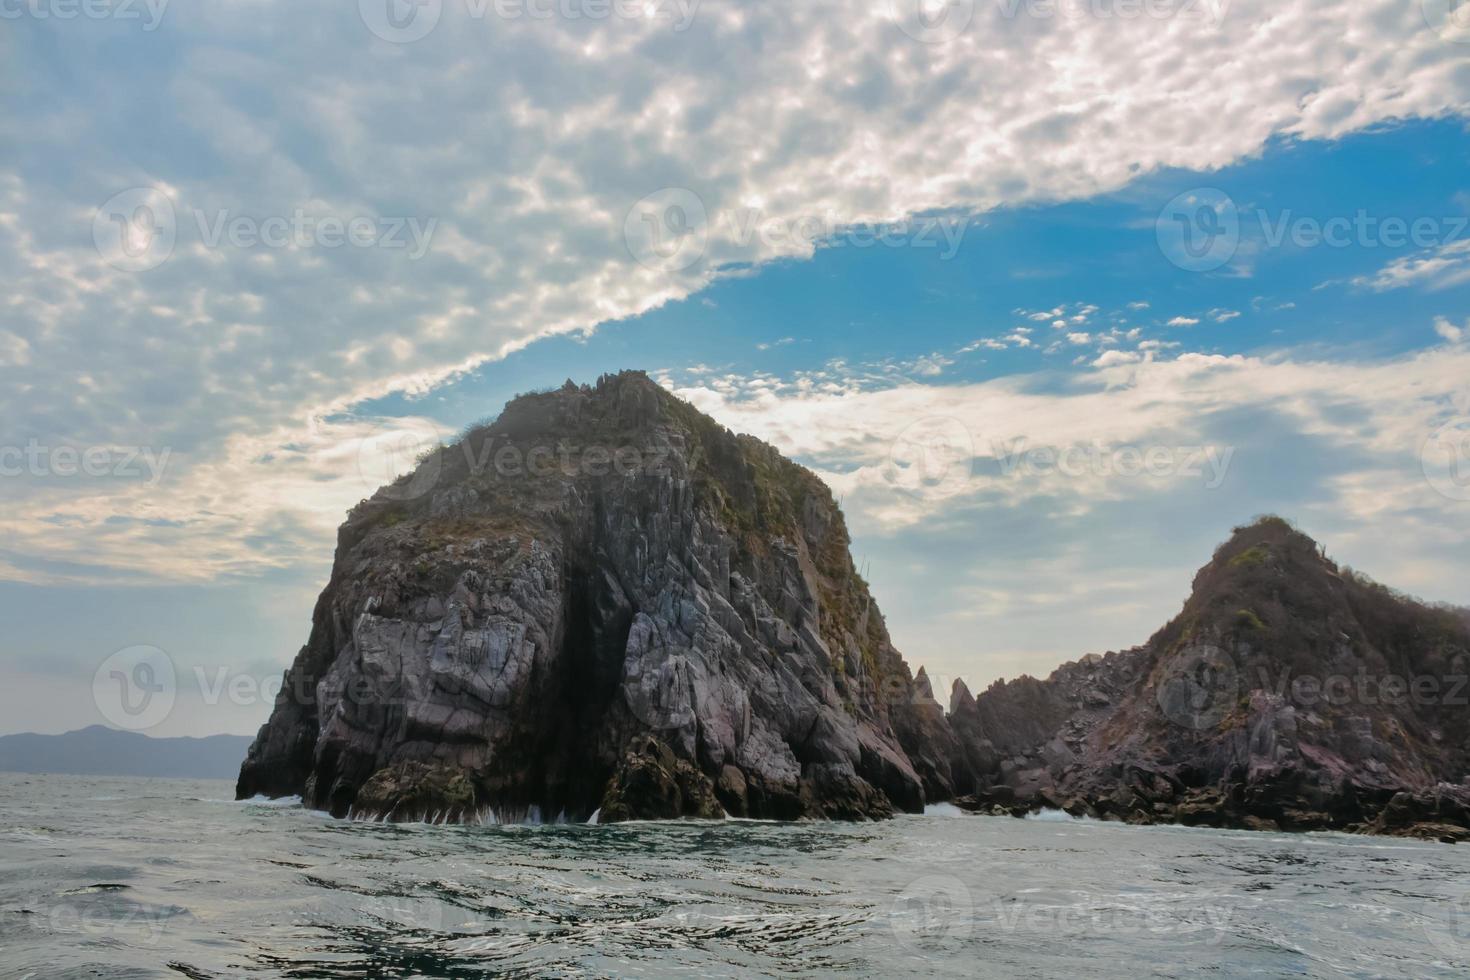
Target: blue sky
(1324, 381)
(868, 305)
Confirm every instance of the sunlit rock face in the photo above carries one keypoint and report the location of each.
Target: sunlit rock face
(601, 601)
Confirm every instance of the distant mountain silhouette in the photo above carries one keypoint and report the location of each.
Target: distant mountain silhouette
(99, 751)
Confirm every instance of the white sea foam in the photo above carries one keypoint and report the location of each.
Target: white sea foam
(1058, 816)
(284, 801)
(531, 816)
(944, 810)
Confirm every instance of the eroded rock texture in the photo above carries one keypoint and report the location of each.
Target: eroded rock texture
(1289, 693)
(606, 601)
(602, 599)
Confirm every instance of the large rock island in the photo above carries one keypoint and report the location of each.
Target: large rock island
(603, 601)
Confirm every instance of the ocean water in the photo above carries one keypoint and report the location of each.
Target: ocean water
(125, 878)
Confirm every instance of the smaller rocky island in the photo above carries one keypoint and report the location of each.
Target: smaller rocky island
(604, 604)
(1289, 694)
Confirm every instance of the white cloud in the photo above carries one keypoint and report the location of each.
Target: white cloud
(928, 366)
(1440, 268)
(1116, 358)
(272, 502)
(529, 142)
(1449, 331)
(1095, 559)
(1184, 321)
(1376, 414)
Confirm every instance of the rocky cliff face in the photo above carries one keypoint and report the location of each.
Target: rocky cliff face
(1288, 693)
(603, 600)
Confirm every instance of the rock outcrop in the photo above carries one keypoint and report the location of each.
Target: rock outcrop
(1288, 694)
(603, 600)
